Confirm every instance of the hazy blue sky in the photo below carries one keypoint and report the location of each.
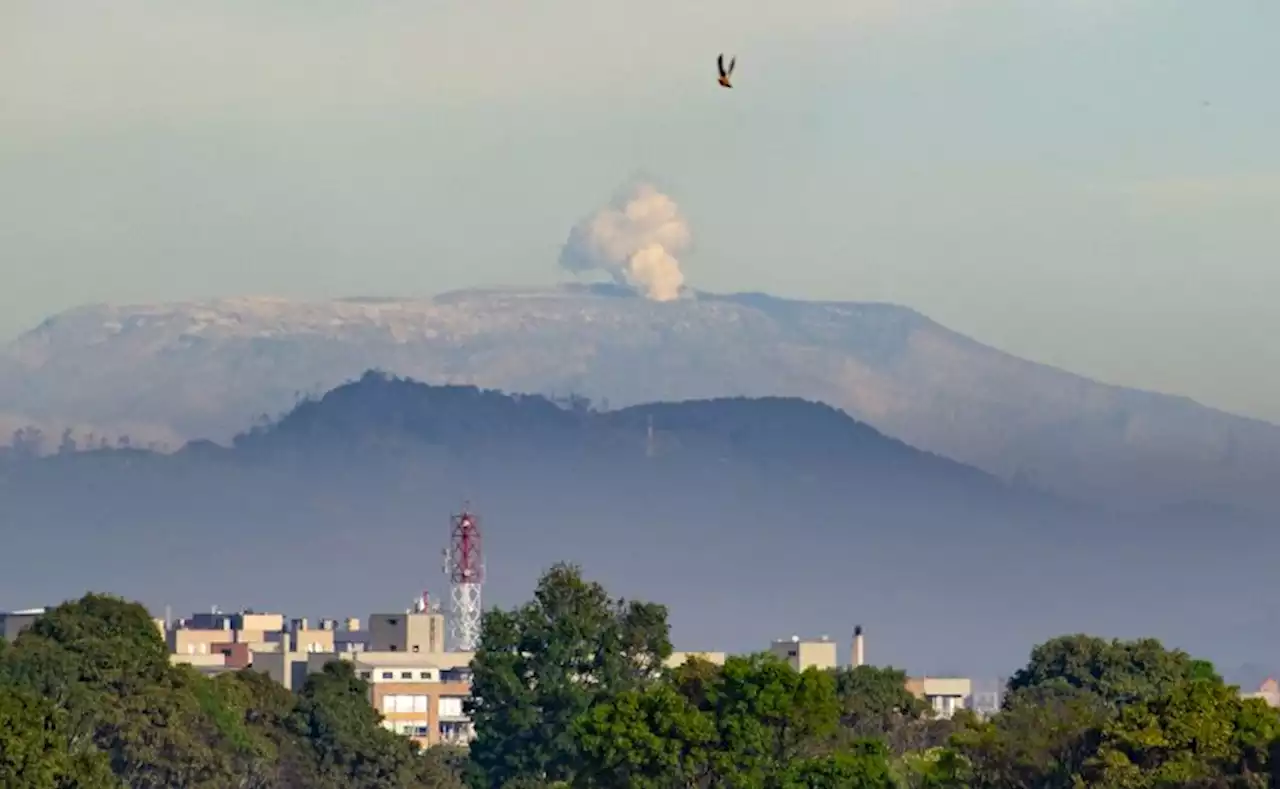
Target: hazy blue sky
(1045, 175)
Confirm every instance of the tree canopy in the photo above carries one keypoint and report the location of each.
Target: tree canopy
(572, 690)
(1083, 712)
(89, 700)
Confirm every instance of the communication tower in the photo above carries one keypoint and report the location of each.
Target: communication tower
(464, 564)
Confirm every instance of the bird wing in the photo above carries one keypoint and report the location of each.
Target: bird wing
(733, 62)
(720, 64)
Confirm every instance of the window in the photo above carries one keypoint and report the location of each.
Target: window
(366, 675)
(388, 675)
(389, 703)
(450, 707)
(411, 728)
(404, 703)
(406, 675)
(425, 675)
(420, 703)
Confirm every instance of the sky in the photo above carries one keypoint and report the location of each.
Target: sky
(1093, 184)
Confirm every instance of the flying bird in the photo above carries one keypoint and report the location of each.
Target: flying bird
(725, 73)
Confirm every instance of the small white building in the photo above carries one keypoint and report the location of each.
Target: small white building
(944, 694)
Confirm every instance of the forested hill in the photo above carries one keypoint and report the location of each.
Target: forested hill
(380, 411)
(754, 518)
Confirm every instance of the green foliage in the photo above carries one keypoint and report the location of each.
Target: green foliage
(89, 700)
(874, 700)
(863, 766)
(348, 745)
(1201, 731)
(648, 739)
(540, 667)
(1121, 715)
(570, 692)
(1118, 672)
(875, 704)
(755, 722)
(33, 751)
(1042, 739)
(566, 696)
(769, 715)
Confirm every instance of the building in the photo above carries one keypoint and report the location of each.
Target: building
(1268, 691)
(14, 622)
(678, 659)
(419, 695)
(207, 664)
(944, 694)
(820, 654)
(420, 630)
(986, 696)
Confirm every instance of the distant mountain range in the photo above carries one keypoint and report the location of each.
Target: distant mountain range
(171, 372)
(753, 519)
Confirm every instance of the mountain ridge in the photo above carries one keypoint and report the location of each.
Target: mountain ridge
(191, 369)
(753, 516)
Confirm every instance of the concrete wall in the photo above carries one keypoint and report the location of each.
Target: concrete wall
(806, 654)
(407, 632)
(678, 659)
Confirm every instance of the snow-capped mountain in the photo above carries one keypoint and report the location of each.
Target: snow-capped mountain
(207, 369)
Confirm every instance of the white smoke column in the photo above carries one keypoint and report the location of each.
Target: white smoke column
(635, 239)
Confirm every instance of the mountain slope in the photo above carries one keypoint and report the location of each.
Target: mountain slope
(752, 519)
(183, 370)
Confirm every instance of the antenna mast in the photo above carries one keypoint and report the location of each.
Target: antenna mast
(464, 564)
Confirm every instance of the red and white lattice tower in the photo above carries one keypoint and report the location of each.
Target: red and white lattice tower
(464, 564)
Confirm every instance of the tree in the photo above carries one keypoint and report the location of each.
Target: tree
(443, 767)
(768, 715)
(875, 704)
(648, 739)
(33, 747)
(1131, 715)
(251, 712)
(864, 766)
(116, 645)
(1042, 740)
(540, 667)
(102, 664)
(26, 442)
(67, 444)
(1118, 672)
(89, 700)
(694, 680)
(1200, 733)
(349, 746)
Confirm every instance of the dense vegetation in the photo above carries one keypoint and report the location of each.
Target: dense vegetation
(89, 700)
(569, 691)
(562, 694)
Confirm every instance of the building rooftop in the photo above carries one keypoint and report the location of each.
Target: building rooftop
(442, 660)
